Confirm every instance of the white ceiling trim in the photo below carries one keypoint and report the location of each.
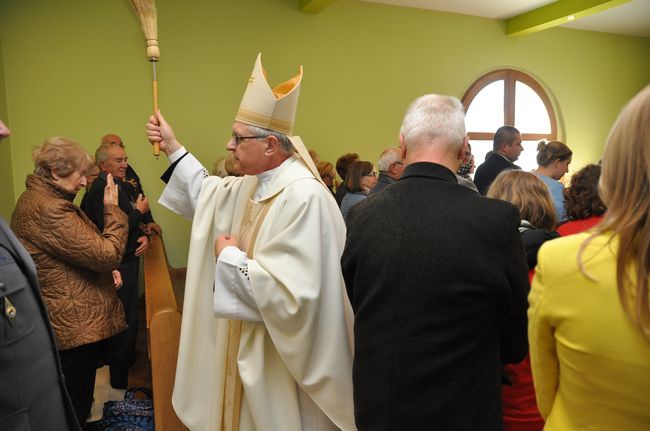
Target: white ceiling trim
(632, 18)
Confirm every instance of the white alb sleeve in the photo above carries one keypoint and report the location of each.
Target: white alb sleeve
(233, 294)
(182, 191)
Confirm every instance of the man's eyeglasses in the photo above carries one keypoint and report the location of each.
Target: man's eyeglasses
(238, 139)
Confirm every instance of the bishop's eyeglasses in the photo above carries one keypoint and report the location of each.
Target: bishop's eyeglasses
(238, 139)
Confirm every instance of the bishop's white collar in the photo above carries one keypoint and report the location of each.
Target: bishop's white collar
(265, 178)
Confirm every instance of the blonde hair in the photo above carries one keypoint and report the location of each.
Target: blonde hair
(224, 167)
(528, 193)
(314, 156)
(326, 169)
(219, 167)
(61, 155)
(625, 190)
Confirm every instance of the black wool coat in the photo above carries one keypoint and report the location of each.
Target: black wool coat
(437, 278)
(133, 187)
(92, 205)
(488, 171)
(32, 390)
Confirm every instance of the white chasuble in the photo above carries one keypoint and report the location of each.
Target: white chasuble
(299, 358)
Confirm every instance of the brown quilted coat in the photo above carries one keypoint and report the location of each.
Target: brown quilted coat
(74, 261)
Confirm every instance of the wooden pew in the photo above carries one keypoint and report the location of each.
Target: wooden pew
(163, 330)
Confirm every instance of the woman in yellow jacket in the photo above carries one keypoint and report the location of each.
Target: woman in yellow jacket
(589, 315)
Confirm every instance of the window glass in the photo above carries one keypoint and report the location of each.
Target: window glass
(528, 157)
(530, 112)
(510, 97)
(486, 111)
(479, 150)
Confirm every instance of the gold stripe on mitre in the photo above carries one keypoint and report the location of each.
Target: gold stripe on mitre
(266, 107)
(264, 121)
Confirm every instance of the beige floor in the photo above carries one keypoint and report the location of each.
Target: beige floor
(103, 392)
(139, 374)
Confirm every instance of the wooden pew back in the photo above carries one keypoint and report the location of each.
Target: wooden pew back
(163, 330)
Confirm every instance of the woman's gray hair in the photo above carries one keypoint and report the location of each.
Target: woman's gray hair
(285, 143)
(61, 155)
(433, 116)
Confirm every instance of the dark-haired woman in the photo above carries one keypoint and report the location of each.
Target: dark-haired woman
(360, 180)
(583, 205)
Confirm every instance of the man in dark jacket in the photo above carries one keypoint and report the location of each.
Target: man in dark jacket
(390, 166)
(506, 150)
(133, 186)
(441, 305)
(112, 159)
(32, 390)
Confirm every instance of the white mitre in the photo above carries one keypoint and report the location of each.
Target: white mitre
(274, 108)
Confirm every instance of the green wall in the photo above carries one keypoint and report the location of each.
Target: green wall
(6, 171)
(78, 69)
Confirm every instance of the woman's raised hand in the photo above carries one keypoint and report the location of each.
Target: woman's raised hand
(110, 191)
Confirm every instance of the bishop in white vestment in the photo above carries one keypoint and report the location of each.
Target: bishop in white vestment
(278, 237)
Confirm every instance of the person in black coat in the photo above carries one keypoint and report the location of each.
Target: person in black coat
(438, 284)
(133, 186)
(390, 166)
(507, 148)
(111, 158)
(32, 390)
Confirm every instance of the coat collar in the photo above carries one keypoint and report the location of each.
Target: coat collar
(47, 186)
(385, 178)
(429, 170)
(500, 157)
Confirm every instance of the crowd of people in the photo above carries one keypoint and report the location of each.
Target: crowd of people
(409, 295)
(85, 263)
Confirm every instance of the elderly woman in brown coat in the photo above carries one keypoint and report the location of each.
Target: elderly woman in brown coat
(74, 261)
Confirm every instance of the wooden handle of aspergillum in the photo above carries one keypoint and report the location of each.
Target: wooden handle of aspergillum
(153, 53)
(156, 145)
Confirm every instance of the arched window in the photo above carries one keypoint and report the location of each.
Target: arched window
(508, 97)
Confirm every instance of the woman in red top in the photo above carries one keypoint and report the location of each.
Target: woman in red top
(583, 206)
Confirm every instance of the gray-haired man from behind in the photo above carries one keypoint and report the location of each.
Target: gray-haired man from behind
(433, 323)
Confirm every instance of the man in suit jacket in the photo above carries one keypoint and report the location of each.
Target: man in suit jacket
(441, 305)
(32, 391)
(506, 150)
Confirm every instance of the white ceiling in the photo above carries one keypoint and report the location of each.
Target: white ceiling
(632, 18)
